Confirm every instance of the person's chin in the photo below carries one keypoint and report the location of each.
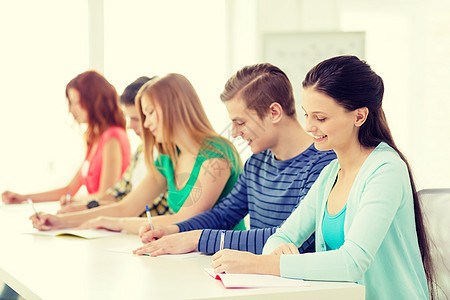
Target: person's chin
(322, 146)
(255, 149)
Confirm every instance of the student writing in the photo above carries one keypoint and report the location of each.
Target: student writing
(93, 101)
(381, 243)
(195, 164)
(260, 102)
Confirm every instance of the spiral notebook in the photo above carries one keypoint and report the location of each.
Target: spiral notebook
(239, 281)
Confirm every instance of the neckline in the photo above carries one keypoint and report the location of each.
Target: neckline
(337, 215)
(190, 175)
(281, 163)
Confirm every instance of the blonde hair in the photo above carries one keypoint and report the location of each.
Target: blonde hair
(179, 104)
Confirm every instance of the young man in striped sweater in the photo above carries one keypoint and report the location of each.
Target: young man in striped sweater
(285, 163)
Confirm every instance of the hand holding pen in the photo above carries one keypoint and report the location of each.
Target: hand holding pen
(43, 221)
(34, 208)
(149, 217)
(222, 239)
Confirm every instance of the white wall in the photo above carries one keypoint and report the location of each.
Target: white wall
(46, 45)
(41, 50)
(407, 44)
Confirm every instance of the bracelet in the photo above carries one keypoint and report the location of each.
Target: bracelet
(92, 204)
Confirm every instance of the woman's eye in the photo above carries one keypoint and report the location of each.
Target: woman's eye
(320, 119)
(241, 124)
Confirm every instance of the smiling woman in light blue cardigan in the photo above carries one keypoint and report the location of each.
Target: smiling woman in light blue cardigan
(380, 249)
(363, 208)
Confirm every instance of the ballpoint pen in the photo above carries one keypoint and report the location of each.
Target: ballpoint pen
(222, 239)
(32, 205)
(68, 198)
(149, 217)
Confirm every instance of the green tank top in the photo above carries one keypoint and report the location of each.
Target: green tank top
(191, 191)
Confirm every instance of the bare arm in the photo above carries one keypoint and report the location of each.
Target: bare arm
(52, 195)
(212, 182)
(111, 165)
(212, 178)
(240, 262)
(133, 204)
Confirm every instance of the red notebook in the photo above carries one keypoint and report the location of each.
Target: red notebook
(235, 281)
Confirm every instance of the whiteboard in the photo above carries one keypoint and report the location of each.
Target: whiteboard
(297, 52)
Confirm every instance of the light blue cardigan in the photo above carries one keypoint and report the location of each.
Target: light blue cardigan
(380, 249)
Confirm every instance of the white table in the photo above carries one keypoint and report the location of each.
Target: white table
(42, 267)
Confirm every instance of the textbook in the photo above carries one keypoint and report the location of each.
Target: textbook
(83, 233)
(236, 281)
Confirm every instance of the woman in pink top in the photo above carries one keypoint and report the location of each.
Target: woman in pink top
(93, 101)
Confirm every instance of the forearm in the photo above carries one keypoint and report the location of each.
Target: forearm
(131, 224)
(268, 264)
(225, 215)
(113, 210)
(106, 199)
(248, 240)
(168, 219)
(53, 195)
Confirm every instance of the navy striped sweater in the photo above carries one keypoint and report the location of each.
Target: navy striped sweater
(268, 190)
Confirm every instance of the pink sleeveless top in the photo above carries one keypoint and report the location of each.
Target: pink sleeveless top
(91, 170)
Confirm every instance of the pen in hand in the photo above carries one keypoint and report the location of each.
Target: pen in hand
(32, 205)
(149, 217)
(68, 198)
(222, 239)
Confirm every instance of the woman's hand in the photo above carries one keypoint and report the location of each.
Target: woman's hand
(12, 198)
(147, 235)
(108, 223)
(179, 243)
(43, 221)
(240, 262)
(285, 249)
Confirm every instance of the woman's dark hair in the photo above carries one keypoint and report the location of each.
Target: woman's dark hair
(353, 84)
(130, 92)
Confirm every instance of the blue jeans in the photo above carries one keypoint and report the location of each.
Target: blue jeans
(8, 293)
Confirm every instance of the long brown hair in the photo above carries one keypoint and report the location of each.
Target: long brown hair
(101, 101)
(179, 104)
(353, 84)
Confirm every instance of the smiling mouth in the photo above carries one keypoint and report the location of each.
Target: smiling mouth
(319, 137)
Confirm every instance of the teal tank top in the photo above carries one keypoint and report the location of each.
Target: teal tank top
(333, 228)
(214, 148)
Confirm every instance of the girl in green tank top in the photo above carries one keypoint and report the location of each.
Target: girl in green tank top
(194, 163)
(198, 166)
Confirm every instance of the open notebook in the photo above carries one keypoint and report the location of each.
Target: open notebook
(236, 281)
(83, 233)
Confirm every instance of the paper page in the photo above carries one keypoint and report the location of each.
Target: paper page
(255, 280)
(129, 250)
(83, 233)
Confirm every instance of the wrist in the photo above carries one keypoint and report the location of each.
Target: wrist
(120, 222)
(92, 204)
(267, 264)
(172, 229)
(196, 236)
